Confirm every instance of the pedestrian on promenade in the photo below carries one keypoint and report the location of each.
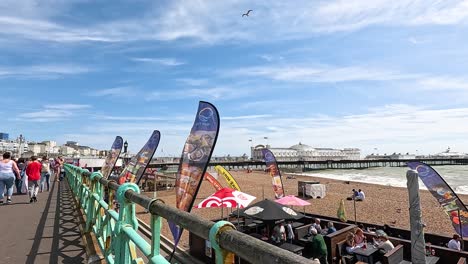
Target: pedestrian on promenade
(45, 173)
(19, 181)
(8, 168)
(58, 163)
(33, 170)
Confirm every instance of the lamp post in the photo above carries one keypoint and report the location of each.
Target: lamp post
(251, 148)
(125, 158)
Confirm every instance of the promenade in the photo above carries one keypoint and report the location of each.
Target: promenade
(42, 232)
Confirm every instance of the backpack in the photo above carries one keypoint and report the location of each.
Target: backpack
(45, 167)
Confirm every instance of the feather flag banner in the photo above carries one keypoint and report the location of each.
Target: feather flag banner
(229, 179)
(274, 171)
(196, 155)
(444, 194)
(213, 181)
(112, 157)
(137, 165)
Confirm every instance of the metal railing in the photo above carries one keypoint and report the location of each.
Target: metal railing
(117, 236)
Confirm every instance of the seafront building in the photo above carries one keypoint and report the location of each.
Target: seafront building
(20, 147)
(447, 154)
(303, 152)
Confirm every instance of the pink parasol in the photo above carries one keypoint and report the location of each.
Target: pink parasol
(292, 200)
(227, 197)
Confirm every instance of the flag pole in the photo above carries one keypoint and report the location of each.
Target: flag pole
(355, 218)
(462, 243)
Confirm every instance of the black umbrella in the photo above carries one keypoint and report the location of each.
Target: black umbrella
(268, 210)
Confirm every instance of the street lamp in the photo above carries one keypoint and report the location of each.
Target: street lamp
(125, 158)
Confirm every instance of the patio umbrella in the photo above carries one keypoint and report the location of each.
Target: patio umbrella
(268, 210)
(227, 197)
(292, 201)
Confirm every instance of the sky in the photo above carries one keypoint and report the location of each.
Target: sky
(381, 75)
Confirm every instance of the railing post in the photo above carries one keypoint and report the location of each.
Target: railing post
(156, 224)
(124, 247)
(93, 205)
(222, 256)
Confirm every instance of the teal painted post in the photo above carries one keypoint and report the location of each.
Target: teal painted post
(93, 205)
(126, 218)
(220, 254)
(156, 224)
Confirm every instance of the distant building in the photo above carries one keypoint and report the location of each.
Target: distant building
(394, 156)
(17, 147)
(4, 136)
(448, 154)
(302, 152)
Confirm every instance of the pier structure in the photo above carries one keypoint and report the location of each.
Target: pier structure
(321, 165)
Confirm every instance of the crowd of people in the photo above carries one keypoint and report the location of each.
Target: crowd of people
(27, 176)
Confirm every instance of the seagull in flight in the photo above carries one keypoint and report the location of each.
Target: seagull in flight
(247, 14)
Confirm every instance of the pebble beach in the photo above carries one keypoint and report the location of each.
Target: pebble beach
(383, 204)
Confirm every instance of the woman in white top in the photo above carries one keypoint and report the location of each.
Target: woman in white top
(384, 244)
(7, 176)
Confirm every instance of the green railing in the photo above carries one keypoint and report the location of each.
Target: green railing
(117, 236)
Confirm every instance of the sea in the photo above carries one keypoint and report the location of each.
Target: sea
(455, 175)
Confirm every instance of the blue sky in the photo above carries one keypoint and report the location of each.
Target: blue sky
(380, 74)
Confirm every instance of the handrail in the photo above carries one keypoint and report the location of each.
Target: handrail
(117, 235)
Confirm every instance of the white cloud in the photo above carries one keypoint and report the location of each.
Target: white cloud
(444, 83)
(218, 21)
(221, 92)
(116, 92)
(130, 118)
(161, 61)
(244, 117)
(53, 113)
(320, 73)
(42, 71)
(193, 82)
(392, 128)
(67, 106)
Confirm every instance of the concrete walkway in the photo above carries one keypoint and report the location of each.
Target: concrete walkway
(42, 232)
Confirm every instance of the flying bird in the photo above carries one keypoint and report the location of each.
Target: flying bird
(247, 14)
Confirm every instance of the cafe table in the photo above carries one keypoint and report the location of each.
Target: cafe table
(296, 224)
(293, 248)
(366, 254)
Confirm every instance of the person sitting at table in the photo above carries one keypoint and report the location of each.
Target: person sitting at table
(384, 244)
(331, 228)
(359, 236)
(316, 225)
(279, 233)
(317, 246)
(290, 232)
(350, 245)
(454, 243)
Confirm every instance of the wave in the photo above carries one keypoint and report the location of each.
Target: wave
(386, 180)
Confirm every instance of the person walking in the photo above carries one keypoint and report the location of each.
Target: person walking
(19, 181)
(45, 173)
(33, 170)
(58, 163)
(8, 168)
